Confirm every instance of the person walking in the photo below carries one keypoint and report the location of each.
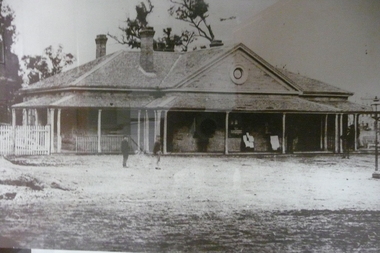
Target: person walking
(157, 152)
(125, 149)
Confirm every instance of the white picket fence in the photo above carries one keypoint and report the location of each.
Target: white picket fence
(25, 140)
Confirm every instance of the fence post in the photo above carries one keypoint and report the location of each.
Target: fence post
(48, 141)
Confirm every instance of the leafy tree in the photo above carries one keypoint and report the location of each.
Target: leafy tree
(10, 81)
(193, 12)
(131, 33)
(50, 63)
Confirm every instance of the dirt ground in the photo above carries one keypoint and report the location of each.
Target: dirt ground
(193, 204)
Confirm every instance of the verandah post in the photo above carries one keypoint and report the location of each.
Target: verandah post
(155, 123)
(24, 117)
(341, 133)
(356, 116)
(283, 132)
(36, 117)
(52, 130)
(138, 129)
(321, 134)
(165, 132)
(59, 139)
(226, 135)
(146, 131)
(336, 133)
(325, 134)
(13, 131)
(29, 117)
(159, 123)
(99, 130)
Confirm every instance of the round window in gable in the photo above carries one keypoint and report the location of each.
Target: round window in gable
(238, 74)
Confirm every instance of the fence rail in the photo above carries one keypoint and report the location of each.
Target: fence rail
(6, 140)
(25, 140)
(108, 144)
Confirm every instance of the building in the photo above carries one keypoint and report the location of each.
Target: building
(224, 99)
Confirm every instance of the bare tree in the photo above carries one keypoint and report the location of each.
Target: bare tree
(169, 41)
(131, 33)
(193, 12)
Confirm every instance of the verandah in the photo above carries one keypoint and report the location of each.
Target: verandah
(188, 132)
(313, 132)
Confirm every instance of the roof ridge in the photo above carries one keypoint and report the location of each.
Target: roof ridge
(96, 67)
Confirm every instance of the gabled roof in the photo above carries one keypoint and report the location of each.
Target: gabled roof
(216, 74)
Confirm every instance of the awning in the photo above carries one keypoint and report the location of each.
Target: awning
(233, 102)
(347, 106)
(195, 101)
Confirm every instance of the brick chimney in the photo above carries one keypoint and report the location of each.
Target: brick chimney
(101, 41)
(146, 55)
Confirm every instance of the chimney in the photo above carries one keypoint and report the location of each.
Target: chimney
(216, 43)
(101, 41)
(146, 55)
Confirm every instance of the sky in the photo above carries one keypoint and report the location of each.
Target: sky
(75, 23)
(337, 42)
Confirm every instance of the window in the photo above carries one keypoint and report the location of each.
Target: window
(238, 74)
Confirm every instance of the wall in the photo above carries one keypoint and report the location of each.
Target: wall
(185, 134)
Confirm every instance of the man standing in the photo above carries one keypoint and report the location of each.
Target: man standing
(345, 143)
(125, 149)
(157, 152)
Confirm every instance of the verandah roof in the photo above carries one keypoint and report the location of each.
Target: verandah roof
(258, 103)
(90, 100)
(347, 106)
(194, 101)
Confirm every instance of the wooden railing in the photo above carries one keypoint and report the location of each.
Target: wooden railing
(108, 144)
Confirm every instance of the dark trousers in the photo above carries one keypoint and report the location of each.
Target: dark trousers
(346, 149)
(125, 159)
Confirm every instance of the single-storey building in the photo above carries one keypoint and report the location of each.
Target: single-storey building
(223, 99)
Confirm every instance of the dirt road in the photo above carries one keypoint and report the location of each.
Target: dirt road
(225, 204)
